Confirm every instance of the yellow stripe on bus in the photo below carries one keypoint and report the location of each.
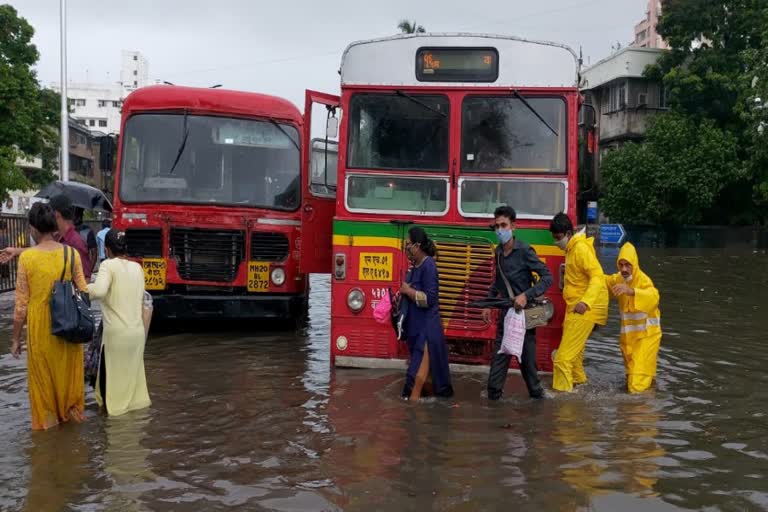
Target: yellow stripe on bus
(394, 243)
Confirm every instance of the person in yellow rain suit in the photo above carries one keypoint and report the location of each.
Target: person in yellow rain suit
(586, 301)
(640, 319)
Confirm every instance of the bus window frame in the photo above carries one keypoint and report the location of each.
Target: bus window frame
(446, 179)
(527, 95)
(516, 178)
(393, 93)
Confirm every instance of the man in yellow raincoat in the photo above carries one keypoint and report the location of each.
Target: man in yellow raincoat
(640, 319)
(586, 301)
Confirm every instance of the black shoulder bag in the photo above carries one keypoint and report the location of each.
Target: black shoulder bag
(71, 316)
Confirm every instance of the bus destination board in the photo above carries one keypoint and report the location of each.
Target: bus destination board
(457, 64)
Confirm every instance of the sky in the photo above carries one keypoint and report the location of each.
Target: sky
(284, 47)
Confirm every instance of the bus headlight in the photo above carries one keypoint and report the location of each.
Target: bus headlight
(341, 343)
(356, 300)
(278, 276)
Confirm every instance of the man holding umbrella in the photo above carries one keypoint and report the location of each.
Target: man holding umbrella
(518, 262)
(65, 215)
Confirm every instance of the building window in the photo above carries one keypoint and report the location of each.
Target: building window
(102, 103)
(77, 102)
(662, 96)
(116, 104)
(135, 72)
(135, 57)
(135, 83)
(91, 122)
(102, 123)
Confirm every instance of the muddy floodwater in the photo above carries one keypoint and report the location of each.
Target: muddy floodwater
(254, 420)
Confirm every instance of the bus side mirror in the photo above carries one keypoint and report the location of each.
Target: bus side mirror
(332, 127)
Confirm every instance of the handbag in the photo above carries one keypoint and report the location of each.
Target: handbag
(538, 312)
(93, 357)
(71, 316)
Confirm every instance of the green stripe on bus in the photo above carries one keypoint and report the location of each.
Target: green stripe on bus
(389, 230)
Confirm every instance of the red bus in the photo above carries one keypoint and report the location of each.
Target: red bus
(208, 191)
(439, 130)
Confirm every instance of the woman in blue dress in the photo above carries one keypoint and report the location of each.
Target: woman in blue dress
(423, 326)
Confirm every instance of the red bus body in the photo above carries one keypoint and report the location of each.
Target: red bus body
(465, 242)
(210, 260)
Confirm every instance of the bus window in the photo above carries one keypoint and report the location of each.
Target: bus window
(501, 134)
(397, 194)
(217, 160)
(530, 198)
(323, 179)
(408, 132)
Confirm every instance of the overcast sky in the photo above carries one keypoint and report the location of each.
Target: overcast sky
(282, 47)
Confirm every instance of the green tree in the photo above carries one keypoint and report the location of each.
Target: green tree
(28, 114)
(707, 78)
(406, 27)
(675, 177)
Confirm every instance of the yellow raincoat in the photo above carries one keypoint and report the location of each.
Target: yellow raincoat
(640, 323)
(584, 282)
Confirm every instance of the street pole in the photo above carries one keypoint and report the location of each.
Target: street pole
(64, 154)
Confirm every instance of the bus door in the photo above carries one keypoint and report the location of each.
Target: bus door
(319, 173)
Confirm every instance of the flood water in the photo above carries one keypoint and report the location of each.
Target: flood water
(253, 420)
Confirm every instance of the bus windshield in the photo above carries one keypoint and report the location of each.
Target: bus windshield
(503, 134)
(177, 158)
(398, 132)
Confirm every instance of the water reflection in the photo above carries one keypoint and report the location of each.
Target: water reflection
(58, 468)
(253, 418)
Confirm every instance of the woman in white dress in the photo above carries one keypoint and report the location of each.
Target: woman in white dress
(121, 383)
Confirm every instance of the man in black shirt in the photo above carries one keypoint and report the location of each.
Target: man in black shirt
(518, 261)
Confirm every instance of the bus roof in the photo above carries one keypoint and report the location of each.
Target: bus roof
(212, 101)
(521, 62)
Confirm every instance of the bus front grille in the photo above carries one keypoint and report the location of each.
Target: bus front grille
(269, 246)
(207, 254)
(466, 270)
(144, 243)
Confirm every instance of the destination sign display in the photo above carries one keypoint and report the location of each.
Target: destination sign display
(457, 64)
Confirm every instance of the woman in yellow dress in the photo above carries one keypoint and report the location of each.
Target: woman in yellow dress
(121, 382)
(55, 366)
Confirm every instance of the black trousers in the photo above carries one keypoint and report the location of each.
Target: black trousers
(103, 377)
(500, 365)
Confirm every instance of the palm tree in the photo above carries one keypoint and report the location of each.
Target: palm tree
(406, 27)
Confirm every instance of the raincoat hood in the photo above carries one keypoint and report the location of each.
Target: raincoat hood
(629, 253)
(578, 238)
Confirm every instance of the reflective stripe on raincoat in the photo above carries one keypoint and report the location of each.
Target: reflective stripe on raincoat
(584, 279)
(640, 322)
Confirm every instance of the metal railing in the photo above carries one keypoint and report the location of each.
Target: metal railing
(13, 233)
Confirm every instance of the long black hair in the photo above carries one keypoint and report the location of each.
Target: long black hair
(419, 236)
(115, 242)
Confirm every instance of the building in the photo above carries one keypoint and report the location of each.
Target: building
(622, 98)
(645, 31)
(98, 105)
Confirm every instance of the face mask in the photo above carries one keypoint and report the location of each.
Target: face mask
(504, 235)
(562, 243)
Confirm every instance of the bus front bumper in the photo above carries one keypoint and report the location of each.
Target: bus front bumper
(228, 306)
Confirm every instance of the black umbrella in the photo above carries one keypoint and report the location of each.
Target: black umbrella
(82, 195)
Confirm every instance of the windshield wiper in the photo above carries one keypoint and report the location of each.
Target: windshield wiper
(183, 144)
(285, 132)
(535, 112)
(419, 102)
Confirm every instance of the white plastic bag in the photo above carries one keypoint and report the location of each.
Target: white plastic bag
(514, 333)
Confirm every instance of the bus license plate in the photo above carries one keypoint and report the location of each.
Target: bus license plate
(154, 273)
(258, 276)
